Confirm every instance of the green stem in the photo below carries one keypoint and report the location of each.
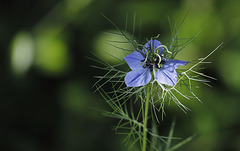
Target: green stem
(145, 121)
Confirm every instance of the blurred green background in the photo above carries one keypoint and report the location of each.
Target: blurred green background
(46, 95)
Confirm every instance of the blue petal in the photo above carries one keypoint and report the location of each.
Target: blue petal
(167, 74)
(155, 44)
(134, 60)
(175, 63)
(138, 78)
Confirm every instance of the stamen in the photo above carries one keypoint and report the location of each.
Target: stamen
(152, 60)
(144, 61)
(159, 57)
(158, 64)
(165, 48)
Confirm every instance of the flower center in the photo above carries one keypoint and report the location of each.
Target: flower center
(152, 60)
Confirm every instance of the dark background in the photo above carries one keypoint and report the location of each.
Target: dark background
(46, 95)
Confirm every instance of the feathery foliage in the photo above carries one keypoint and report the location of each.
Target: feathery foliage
(129, 104)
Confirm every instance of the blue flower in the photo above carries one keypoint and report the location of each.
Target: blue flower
(150, 60)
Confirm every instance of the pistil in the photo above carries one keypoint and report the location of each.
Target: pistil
(153, 60)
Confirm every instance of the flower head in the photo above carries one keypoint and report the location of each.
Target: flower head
(151, 60)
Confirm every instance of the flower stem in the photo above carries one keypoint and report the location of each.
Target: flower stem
(146, 121)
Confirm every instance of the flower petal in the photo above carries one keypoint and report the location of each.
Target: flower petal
(138, 77)
(155, 43)
(175, 63)
(134, 60)
(167, 74)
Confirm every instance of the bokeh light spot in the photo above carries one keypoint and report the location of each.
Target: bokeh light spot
(22, 52)
(107, 46)
(52, 56)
